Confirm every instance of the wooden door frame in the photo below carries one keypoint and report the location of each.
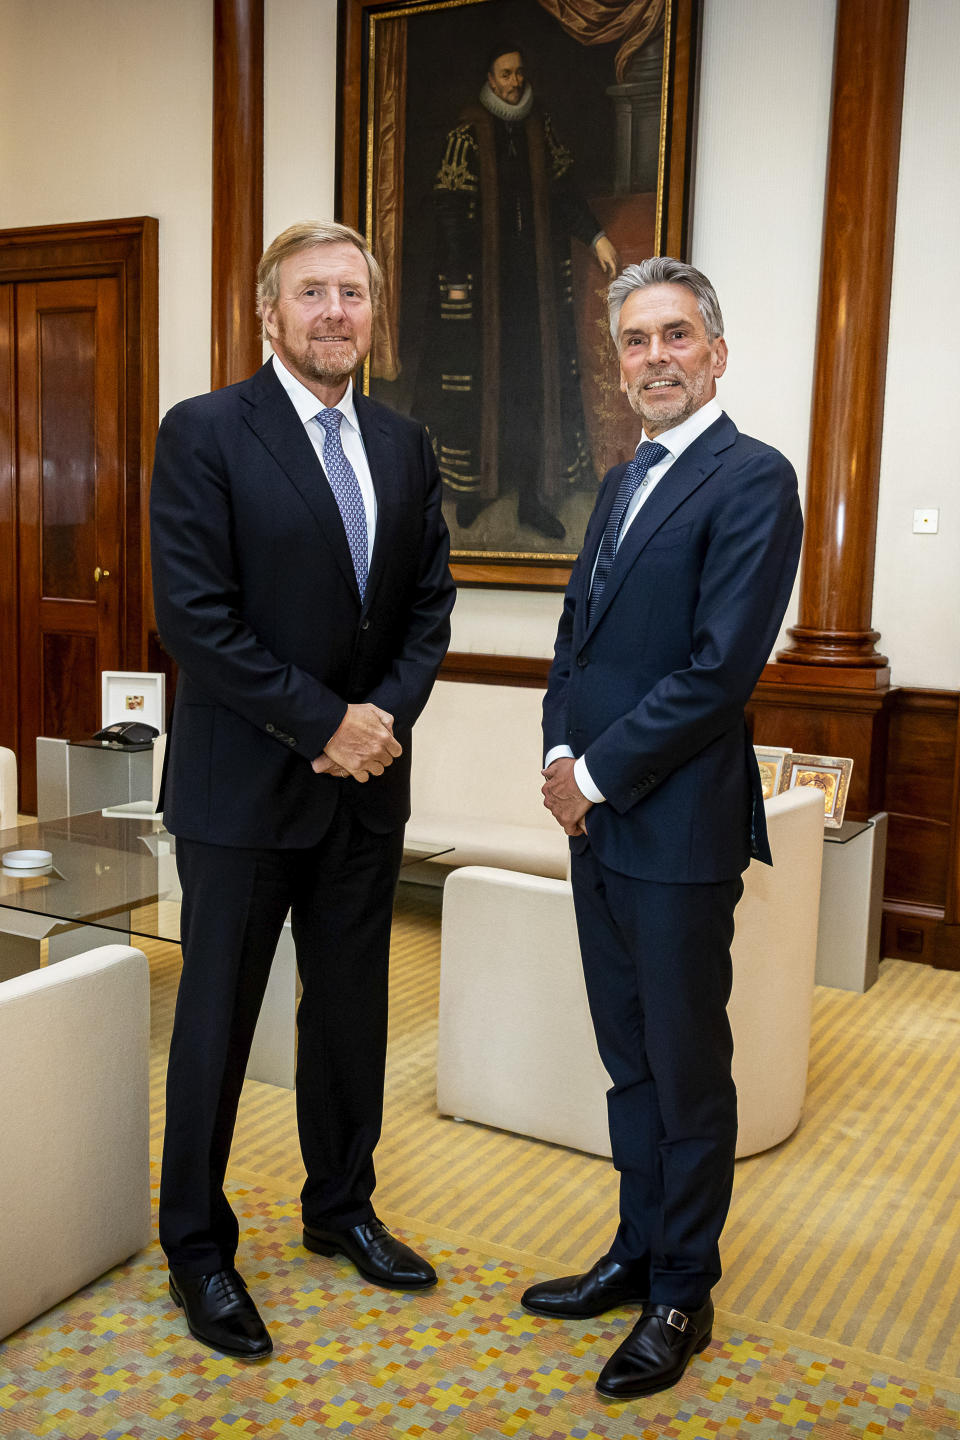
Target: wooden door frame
(128, 249)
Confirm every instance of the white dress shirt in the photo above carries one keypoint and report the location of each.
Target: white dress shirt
(308, 407)
(676, 441)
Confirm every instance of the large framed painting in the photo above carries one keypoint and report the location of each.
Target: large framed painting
(504, 158)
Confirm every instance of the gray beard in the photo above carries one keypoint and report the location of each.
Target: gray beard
(689, 401)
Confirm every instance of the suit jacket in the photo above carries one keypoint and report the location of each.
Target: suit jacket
(257, 601)
(652, 693)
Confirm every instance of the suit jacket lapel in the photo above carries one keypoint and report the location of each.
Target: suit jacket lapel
(687, 474)
(379, 444)
(274, 420)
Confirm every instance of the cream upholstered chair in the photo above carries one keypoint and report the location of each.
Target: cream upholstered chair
(516, 1044)
(74, 1126)
(8, 788)
(488, 807)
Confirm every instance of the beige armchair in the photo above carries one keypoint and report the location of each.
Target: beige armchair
(74, 1126)
(516, 1046)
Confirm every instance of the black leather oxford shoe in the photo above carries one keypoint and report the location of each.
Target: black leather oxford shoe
(579, 1297)
(657, 1351)
(221, 1314)
(379, 1256)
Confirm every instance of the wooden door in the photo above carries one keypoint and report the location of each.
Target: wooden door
(78, 416)
(69, 462)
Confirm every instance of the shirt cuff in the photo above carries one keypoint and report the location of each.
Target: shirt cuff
(559, 752)
(585, 785)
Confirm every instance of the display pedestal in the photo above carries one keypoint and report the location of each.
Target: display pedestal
(77, 776)
(851, 904)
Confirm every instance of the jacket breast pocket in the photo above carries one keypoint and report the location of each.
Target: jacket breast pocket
(668, 538)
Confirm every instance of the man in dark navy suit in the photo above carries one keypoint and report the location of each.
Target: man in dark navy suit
(672, 609)
(301, 581)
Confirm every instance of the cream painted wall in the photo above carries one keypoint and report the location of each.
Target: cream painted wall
(105, 112)
(758, 206)
(917, 584)
(300, 112)
(758, 212)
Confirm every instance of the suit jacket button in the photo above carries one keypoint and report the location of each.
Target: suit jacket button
(364, 624)
(583, 661)
(271, 729)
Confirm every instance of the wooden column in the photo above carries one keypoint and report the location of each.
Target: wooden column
(836, 597)
(235, 346)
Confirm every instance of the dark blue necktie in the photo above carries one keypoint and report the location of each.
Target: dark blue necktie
(346, 491)
(649, 453)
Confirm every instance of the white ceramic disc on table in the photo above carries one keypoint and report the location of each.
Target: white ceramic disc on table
(27, 859)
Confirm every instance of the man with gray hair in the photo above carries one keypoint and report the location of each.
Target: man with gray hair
(300, 574)
(671, 612)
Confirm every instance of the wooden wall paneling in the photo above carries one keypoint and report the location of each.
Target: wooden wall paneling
(236, 350)
(918, 796)
(922, 800)
(9, 649)
(952, 901)
(836, 587)
(828, 720)
(515, 670)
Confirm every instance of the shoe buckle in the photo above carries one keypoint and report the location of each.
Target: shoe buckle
(678, 1320)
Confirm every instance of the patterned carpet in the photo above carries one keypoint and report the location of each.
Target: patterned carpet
(114, 1362)
(847, 1232)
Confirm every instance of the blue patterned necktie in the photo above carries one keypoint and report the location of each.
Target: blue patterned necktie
(346, 491)
(648, 454)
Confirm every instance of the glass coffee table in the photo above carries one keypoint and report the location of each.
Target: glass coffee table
(111, 878)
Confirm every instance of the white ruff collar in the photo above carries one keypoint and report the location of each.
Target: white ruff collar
(502, 108)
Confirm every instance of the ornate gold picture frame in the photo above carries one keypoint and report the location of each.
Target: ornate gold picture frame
(488, 208)
(830, 774)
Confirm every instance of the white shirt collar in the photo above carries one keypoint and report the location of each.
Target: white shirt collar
(306, 403)
(681, 436)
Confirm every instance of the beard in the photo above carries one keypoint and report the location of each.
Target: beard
(324, 360)
(692, 391)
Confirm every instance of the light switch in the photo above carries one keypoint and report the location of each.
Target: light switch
(926, 522)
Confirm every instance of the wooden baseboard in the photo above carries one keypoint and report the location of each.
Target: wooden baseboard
(919, 932)
(518, 670)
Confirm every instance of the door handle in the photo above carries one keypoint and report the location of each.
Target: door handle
(99, 574)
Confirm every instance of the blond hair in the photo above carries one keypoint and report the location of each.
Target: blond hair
(301, 237)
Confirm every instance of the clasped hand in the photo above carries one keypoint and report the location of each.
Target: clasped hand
(563, 797)
(362, 745)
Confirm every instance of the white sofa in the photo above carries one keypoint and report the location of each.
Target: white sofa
(8, 788)
(516, 1046)
(476, 781)
(74, 1126)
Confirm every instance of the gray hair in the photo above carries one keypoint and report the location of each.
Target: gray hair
(664, 270)
(301, 237)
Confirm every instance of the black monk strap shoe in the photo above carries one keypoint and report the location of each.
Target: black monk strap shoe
(579, 1297)
(379, 1256)
(221, 1314)
(657, 1351)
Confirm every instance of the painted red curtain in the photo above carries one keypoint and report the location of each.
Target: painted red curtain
(599, 22)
